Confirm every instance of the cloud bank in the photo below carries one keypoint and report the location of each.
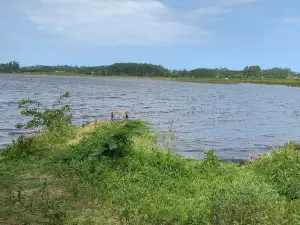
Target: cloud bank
(125, 22)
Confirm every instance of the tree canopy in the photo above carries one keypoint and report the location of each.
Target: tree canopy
(11, 67)
(146, 69)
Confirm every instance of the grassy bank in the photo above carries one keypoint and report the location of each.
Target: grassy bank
(269, 81)
(115, 174)
(286, 82)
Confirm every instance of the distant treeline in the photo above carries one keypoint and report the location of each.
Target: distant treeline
(144, 69)
(11, 67)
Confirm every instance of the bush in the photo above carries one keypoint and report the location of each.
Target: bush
(247, 201)
(43, 116)
(42, 145)
(281, 169)
(55, 122)
(22, 147)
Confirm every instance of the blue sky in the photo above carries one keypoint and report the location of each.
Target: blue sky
(173, 33)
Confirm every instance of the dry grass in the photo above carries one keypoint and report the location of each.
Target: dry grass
(89, 127)
(53, 192)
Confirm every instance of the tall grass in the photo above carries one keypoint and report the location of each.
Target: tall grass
(116, 174)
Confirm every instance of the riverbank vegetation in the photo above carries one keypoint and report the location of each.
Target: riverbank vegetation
(114, 173)
(150, 70)
(11, 67)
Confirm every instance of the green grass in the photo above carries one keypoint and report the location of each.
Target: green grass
(269, 81)
(117, 175)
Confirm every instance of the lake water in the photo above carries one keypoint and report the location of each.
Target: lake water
(234, 120)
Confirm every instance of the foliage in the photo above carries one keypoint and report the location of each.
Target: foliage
(110, 140)
(117, 175)
(22, 147)
(252, 71)
(146, 69)
(143, 69)
(277, 72)
(11, 67)
(282, 169)
(211, 161)
(56, 123)
(117, 69)
(43, 116)
(247, 201)
(45, 144)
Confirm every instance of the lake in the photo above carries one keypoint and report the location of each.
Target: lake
(235, 120)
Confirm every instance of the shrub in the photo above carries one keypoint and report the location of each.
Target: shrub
(23, 146)
(43, 116)
(281, 169)
(55, 121)
(247, 201)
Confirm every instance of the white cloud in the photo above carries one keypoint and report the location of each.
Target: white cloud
(239, 2)
(114, 22)
(206, 14)
(291, 19)
(126, 22)
(224, 3)
(216, 9)
(210, 11)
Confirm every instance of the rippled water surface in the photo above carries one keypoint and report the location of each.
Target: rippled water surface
(234, 120)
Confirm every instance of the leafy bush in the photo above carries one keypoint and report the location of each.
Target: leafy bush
(43, 116)
(281, 169)
(55, 121)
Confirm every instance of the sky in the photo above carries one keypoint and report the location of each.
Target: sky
(178, 34)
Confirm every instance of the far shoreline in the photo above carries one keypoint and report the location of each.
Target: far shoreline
(265, 81)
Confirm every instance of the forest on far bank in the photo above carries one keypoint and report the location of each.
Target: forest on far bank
(146, 69)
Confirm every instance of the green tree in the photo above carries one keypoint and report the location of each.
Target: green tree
(252, 71)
